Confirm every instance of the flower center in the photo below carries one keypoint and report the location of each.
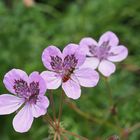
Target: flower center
(21, 88)
(69, 65)
(29, 92)
(64, 67)
(101, 52)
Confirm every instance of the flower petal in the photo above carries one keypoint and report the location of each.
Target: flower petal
(109, 36)
(11, 76)
(40, 108)
(106, 68)
(75, 49)
(36, 77)
(87, 42)
(49, 52)
(72, 89)
(9, 103)
(90, 62)
(52, 79)
(87, 77)
(23, 120)
(120, 53)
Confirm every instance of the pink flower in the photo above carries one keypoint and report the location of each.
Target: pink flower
(103, 53)
(64, 69)
(28, 98)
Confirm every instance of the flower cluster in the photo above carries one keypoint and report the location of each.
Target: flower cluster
(73, 67)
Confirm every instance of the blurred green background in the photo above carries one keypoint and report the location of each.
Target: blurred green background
(26, 29)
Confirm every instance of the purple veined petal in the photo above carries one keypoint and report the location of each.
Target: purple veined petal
(87, 77)
(11, 76)
(9, 103)
(36, 77)
(71, 49)
(23, 120)
(90, 62)
(106, 68)
(50, 53)
(109, 36)
(72, 89)
(40, 108)
(119, 53)
(86, 43)
(53, 80)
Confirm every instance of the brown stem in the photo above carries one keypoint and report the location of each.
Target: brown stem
(60, 107)
(75, 135)
(55, 136)
(52, 105)
(58, 137)
(49, 118)
(46, 119)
